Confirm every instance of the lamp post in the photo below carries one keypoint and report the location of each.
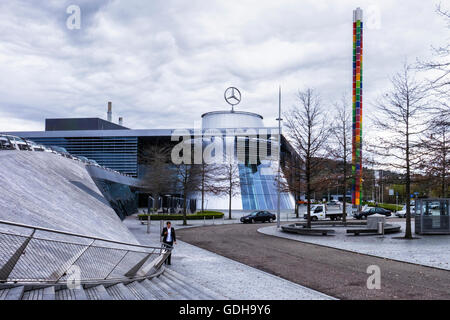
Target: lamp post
(279, 160)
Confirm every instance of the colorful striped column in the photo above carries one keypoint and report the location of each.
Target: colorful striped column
(357, 106)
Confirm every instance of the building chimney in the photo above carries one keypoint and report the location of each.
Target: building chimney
(109, 111)
(120, 121)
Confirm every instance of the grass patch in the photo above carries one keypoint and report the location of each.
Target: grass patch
(387, 206)
(208, 215)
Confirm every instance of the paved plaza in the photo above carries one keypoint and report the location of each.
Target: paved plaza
(229, 278)
(428, 250)
(338, 273)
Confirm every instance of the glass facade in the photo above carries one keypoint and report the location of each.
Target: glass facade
(117, 153)
(119, 196)
(258, 190)
(125, 153)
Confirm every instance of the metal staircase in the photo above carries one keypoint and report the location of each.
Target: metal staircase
(44, 264)
(169, 285)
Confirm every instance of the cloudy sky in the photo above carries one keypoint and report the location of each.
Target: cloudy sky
(165, 63)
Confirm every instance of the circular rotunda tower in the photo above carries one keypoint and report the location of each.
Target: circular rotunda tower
(231, 119)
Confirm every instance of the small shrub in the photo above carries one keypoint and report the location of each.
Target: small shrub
(387, 206)
(208, 215)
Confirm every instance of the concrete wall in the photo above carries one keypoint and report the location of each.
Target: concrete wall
(47, 190)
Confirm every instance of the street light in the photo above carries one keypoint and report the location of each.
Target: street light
(279, 159)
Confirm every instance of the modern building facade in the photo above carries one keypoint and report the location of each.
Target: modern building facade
(117, 147)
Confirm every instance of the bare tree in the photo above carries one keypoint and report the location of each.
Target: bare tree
(402, 117)
(187, 178)
(209, 181)
(436, 145)
(341, 146)
(441, 64)
(228, 180)
(308, 132)
(293, 182)
(157, 177)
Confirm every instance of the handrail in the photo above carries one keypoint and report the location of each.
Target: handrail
(74, 234)
(97, 263)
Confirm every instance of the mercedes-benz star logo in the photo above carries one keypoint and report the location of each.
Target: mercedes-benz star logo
(233, 96)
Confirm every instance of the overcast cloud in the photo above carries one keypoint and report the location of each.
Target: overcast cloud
(165, 63)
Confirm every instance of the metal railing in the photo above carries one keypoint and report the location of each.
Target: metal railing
(30, 254)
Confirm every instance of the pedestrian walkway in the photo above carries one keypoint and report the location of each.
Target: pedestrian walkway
(224, 276)
(429, 251)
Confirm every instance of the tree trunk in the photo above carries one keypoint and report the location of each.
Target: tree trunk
(184, 209)
(229, 207)
(344, 198)
(308, 194)
(408, 233)
(155, 202)
(444, 166)
(203, 187)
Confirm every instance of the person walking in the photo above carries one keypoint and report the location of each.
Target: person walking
(169, 238)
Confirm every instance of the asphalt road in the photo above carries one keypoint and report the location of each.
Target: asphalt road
(335, 272)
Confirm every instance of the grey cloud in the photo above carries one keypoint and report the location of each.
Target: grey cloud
(164, 63)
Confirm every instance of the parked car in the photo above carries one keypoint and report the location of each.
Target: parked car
(34, 146)
(83, 159)
(370, 211)
(17, 142)
(5, 143)
(259, 216)
(93, 163)
(61, 151)
(402, 213)
(334, 203)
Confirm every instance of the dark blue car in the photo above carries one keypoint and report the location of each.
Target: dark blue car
(259, 216)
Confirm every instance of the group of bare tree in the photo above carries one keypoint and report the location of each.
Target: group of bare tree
(413, 116)
(436, 143)
(308, 131)
(403, 116)
(340, 148)
(163, 177)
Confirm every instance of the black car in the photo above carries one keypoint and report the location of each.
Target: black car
(370, 211)
(259, 216)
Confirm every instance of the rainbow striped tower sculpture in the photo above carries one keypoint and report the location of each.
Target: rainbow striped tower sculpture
(357, 106)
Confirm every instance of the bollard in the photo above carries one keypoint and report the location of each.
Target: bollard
(148, 223)
(381, 228)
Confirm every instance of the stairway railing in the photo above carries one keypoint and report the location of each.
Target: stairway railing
(30, 254)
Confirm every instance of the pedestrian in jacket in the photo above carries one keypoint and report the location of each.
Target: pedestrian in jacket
(169, 238)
